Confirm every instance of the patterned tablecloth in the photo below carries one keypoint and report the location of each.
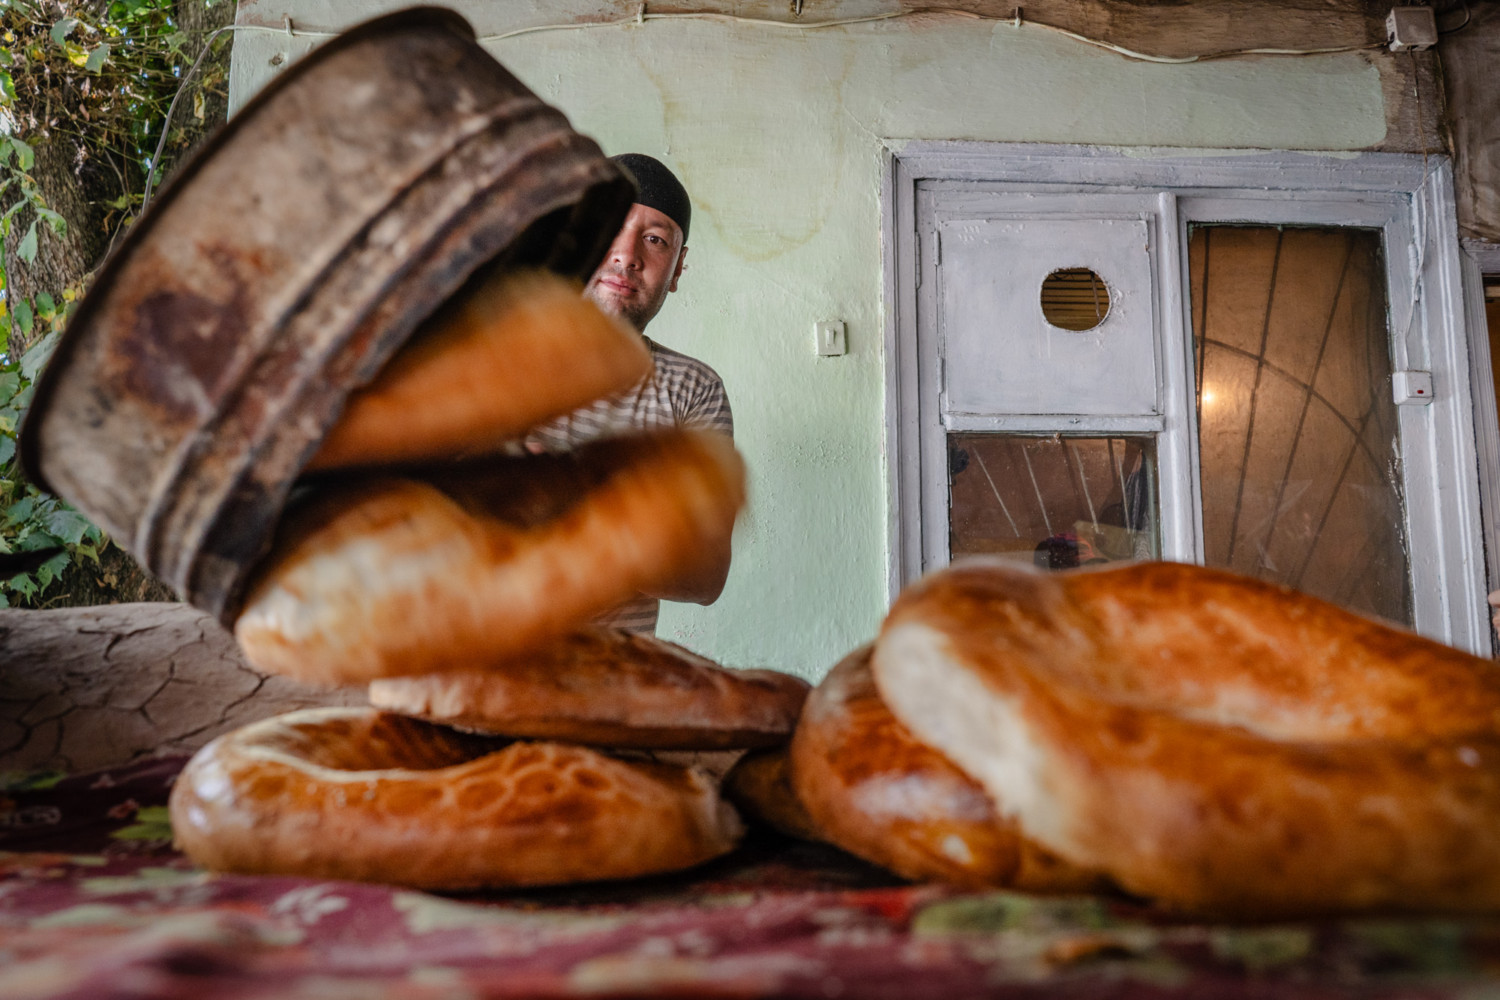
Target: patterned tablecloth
(95, 903)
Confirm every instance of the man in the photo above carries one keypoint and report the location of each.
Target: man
(641, 268)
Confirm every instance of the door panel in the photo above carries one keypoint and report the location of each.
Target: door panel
(1298, 455)
(1001, 353)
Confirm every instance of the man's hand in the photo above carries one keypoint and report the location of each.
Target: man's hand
(706, 582)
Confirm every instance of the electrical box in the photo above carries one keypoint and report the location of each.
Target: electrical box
(1411, 388)
(829, 338)
(1411, 29)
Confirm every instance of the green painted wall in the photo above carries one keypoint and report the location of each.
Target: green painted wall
(779, 136)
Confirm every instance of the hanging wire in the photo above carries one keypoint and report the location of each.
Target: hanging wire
(1419, 217)
(642, 15)
(1468, 15)
(166, 125)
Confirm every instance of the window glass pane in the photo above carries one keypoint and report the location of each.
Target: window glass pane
(1296, 425)
(1053, 502)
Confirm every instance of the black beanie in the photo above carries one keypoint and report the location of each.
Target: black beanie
(659, 188)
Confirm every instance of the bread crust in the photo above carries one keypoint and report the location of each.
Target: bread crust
(609, 688)
(521, 348)
(870, 787)
(1221, 745)
(353, 793)
(390, 577)
(760, 786)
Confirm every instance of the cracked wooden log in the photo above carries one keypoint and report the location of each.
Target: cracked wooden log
(87, 688)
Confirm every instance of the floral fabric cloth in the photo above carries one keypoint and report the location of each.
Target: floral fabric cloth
(94, 903)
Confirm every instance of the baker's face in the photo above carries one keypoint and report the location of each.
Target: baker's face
(642, 266)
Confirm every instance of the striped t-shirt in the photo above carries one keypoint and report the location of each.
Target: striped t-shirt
(680, 392)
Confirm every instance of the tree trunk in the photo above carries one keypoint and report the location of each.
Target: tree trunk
(76, 188)
(204, 104)
(80, 182)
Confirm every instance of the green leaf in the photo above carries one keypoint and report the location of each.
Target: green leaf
(53, 568)
(10, 384)
(97, 59)
(152, 823)
(45, 304)
(68, 525)
(27, 250)
(22, 311)
(56, 221)
(36, 356)
(7, 88)
(23, 584)
(25, 781)
(7, 449)
(20, 510)
(63, 28)
(25, 155)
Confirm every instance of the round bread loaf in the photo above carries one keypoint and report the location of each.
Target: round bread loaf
(607, 688)
(760, 786)
(520, 348)
(1221, 745)
(358, 794)
(390, 577)
(873, 789)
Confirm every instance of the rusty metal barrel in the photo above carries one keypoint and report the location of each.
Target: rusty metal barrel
(283, 267)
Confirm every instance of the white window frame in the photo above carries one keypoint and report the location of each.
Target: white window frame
(1408, 197)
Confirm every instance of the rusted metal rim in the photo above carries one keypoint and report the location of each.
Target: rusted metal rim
(424, 17)
(283, 267)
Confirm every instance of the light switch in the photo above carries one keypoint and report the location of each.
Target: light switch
(1411, 388)
(829, 338)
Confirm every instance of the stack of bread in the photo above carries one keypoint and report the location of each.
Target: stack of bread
(509, 743)
(1213, 744)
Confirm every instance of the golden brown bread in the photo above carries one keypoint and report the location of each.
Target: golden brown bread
(1221, 745)
(873, 789)
(391, 577)
(525, 346)
(358, 794)
(760, 786)
(606, 687)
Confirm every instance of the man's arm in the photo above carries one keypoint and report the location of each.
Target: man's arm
(705, 407)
